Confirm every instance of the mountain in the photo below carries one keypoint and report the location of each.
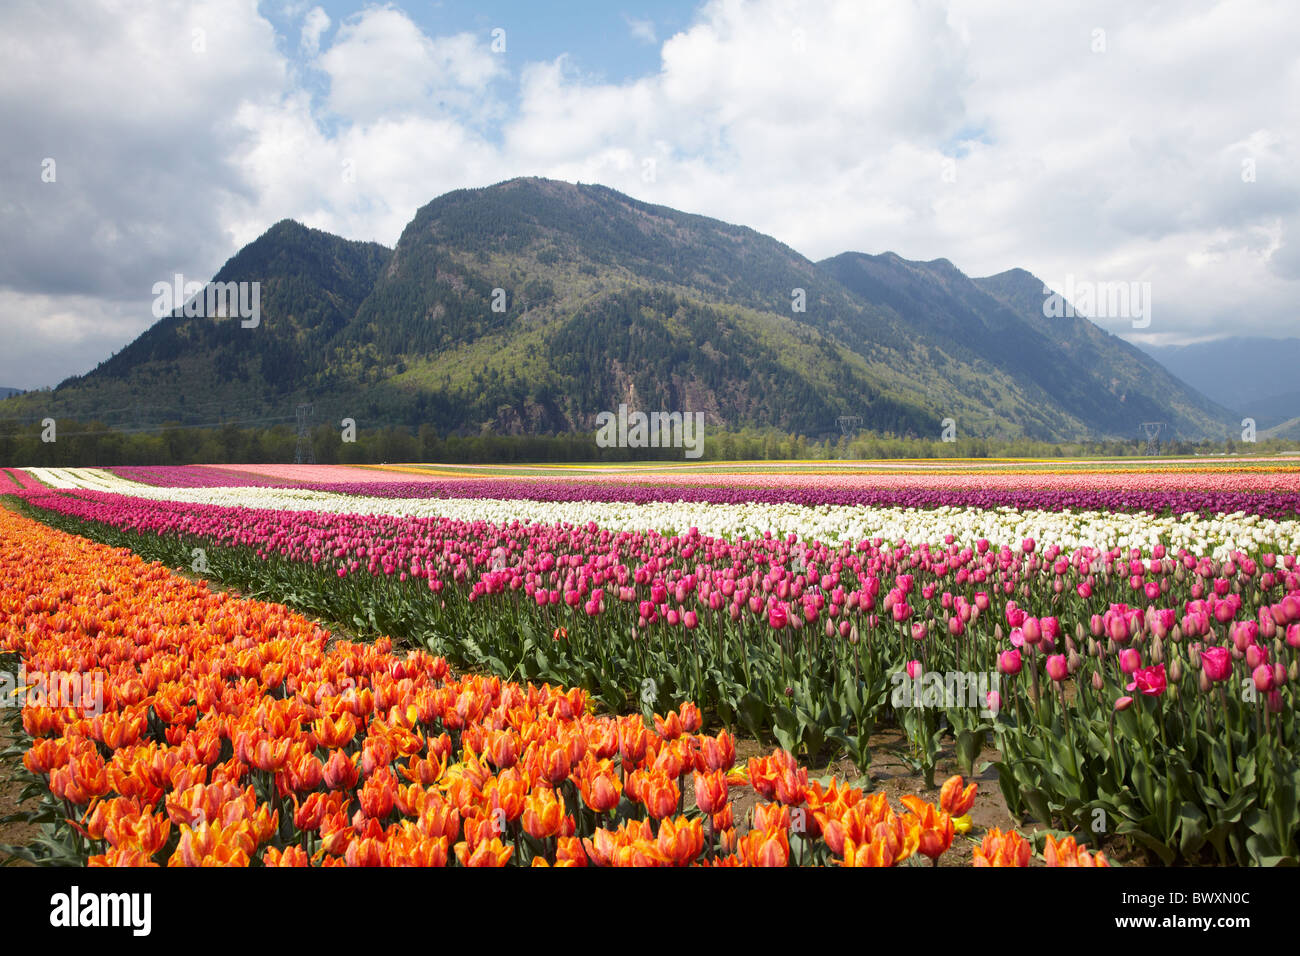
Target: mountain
(202, 370)
(533, 305)
(1254, 377)
(5, 391)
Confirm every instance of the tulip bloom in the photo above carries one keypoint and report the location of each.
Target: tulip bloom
(1149, 680)
(999, 849)
(1057, 668)
(543, 813)
(711, 791)
(680, 840)
(1009, 663)
(1216, 662)
(1068, 853)
(953, 799)
(764, 848)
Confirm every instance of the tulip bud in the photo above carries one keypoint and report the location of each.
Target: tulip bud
(1263, 677)
(1176, 670)
(1203, 682)
(1123, 703)
(1057, 667)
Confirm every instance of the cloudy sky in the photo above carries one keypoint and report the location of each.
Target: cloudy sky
(1089, 142)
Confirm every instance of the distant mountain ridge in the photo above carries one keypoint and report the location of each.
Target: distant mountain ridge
(1254, 377)
(533, 305)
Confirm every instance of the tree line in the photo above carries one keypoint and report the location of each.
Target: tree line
(93, 444)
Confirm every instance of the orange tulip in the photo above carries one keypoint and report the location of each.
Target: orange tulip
(933, 829)
(503, 748)
(1069, 853)
(764, 848)
(335, 732)
(711, 790)
(954, 800)
(543, 813)
(874, 854)
(569, 852)
(507, 793)
(771, 816)
(680, 840)
(553, 762)
(717, 753)
(600, 788)
(487, 853)
(289, 856)
(999, 849)
(660, 795)
(439, 818)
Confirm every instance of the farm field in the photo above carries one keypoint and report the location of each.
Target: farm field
(815, 663)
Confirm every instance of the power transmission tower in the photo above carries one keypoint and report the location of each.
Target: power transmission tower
(1153, 430)
(303, 454)
(849, 424)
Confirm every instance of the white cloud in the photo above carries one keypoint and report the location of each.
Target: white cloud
(643, 30)
(316, 23)
(381, 65)
(826, 124)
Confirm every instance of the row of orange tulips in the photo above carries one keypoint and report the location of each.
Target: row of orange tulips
(228, 732)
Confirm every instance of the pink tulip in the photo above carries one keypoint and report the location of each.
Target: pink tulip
(1149, 680)
(1057, 667)
(1217, 663)
(1263, 678)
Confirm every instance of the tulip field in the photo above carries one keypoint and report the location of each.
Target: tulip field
(419, 665)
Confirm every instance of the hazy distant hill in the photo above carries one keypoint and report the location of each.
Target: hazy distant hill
(533, 305)
(1255, 377)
